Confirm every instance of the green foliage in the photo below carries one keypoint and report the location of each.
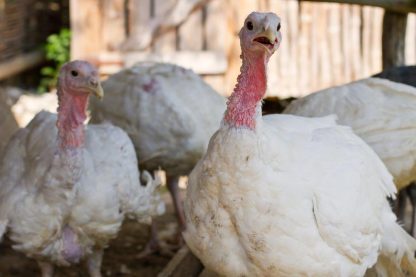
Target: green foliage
(57, 52)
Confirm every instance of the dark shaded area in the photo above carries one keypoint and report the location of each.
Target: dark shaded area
(400, 74)
(274, 104)
(24, 27)
(25, 24)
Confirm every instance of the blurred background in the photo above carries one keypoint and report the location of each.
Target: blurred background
(324, 44)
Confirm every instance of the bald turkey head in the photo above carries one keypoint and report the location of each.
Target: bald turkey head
(260, 34)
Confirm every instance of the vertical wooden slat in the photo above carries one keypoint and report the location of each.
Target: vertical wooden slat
(411, 39)
(355, 42)
(324, 69)
(166, 43)
(219, 35)
(334, 47)
(376, 40)
(86, 40)
(304, 73)
(366, 17)
(292, 27)
(219, 28)
(190, 33)
(113, 29)
(345, 41)
(138, 20)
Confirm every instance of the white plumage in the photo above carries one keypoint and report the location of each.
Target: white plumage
(62, 205)
(381, 112)
(168, 112)
(283, 195)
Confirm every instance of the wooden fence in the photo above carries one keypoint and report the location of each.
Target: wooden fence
(324, 44)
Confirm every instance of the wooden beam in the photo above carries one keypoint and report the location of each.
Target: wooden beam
(20, 63)
(184, 263)
(394, 39)
(202, 62)
(404, 6)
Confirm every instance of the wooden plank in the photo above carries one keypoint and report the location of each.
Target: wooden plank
(139, 33)
(334, 44)
(113, 29)
(219, 29)
(375, 41)
(404, 6)
(190, 35)
(411, 40)
(366, 17)
(165, 43)
(355, 43)
(209, 62)
(305, 79)
(20, 63)
(345, 42)
(86, 38)
(292, 26)
(314, 43)
(184, 263)
(393, 39)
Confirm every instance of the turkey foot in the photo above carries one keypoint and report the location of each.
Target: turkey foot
(153, 246)
(46, 269)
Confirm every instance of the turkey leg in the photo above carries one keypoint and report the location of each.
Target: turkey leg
(172, 183)
(94, 263)
(152, 245)
(46, 269)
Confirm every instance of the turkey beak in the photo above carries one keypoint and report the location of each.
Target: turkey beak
(95, 88)
(269, 33)
(268, 37)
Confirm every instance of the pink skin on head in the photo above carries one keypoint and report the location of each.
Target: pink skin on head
(259, 38)
(76, 81)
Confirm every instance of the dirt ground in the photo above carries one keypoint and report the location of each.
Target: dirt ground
(120, 258)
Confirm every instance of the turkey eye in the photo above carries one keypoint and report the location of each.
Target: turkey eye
(74, 73)
(250, 25)
(278, 27)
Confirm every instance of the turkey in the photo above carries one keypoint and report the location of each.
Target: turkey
(64, 188)
(381, 112)
(169, 113)
(284, 195)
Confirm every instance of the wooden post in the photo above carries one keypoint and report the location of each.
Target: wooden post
(394, 38)
(404, 6)
(86, 38)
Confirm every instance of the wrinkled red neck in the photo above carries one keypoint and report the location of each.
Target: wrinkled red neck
(71, 117)
(249, 91)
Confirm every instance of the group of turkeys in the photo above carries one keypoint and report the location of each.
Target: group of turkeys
(304, 193)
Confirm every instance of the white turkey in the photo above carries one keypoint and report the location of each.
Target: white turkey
(64, 188)
(283, 195)
(381, 112)
(169, 113)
